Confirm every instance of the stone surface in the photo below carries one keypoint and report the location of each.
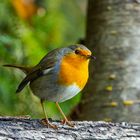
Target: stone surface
(32, 129)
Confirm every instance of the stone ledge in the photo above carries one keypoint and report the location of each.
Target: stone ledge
(21, 128)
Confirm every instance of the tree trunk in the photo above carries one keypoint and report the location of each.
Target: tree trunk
(32, 129)
(113, 90)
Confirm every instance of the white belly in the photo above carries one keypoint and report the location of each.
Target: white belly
(68, 92)
(56, 94)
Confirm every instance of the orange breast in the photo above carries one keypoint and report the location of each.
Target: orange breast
(73, 69)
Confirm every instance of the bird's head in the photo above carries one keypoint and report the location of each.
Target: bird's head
(78, 52)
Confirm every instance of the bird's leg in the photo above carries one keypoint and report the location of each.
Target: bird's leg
(65, 118)
(46, 121)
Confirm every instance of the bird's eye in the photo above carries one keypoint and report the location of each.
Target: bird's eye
(77, 51)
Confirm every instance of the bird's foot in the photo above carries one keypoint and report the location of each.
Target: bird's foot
(67, 122)
(48, 124)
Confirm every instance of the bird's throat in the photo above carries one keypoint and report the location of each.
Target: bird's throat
(73, 69)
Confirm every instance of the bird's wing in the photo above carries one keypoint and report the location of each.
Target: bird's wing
(30, 77)
(44, 66)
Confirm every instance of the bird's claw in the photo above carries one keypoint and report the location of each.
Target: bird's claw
(48, 124)
(67, 122)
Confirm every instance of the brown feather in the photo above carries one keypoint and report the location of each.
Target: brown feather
(26, 70)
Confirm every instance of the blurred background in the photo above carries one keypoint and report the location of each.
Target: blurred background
(111, 28)
(28, 30)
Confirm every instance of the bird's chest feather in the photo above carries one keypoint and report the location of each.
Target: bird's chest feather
(73, 70)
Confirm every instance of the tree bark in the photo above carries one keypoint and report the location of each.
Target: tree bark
(32, 129)
(113, 90)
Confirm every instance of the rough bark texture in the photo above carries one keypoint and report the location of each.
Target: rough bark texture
(32, 129)
(113, 33)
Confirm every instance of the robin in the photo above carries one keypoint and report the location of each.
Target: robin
(59, 76)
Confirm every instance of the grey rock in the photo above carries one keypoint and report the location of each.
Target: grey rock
(14, 128)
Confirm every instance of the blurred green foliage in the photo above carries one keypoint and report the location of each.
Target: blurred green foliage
(61, 24)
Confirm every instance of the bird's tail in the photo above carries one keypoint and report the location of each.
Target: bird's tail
(26, 70)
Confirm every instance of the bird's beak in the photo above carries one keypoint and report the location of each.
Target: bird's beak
(91, 57)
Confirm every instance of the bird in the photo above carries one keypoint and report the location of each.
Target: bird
(60, 75)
